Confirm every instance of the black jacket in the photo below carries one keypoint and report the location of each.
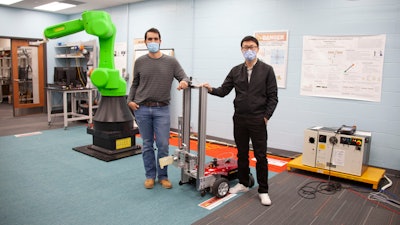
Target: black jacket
(259, 97)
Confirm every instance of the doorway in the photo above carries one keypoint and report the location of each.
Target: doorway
(23, 75)
(6, 107)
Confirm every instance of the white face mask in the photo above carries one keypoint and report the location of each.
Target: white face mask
(250, 55)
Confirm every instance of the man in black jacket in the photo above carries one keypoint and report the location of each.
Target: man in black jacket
(255, 102)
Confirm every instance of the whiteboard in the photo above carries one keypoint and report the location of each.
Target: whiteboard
(141, 52)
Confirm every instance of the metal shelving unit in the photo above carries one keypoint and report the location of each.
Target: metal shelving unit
(5, 75)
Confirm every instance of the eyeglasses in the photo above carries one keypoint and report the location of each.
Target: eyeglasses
(249, 47)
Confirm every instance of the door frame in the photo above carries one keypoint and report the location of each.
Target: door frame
(28, 108)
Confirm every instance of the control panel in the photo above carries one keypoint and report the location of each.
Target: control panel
(326, 148)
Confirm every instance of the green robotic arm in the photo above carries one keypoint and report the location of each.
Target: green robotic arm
(98, 23)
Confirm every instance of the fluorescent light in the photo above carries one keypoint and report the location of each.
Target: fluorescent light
(9, 2)
(54, 6)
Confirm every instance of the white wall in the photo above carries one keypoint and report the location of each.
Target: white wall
(28, 24)
(220, 25)
(206, 37)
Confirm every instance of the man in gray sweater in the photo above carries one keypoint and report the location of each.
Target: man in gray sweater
(149, 98)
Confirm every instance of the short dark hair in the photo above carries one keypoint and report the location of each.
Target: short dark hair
(249, 38)
(152, 30)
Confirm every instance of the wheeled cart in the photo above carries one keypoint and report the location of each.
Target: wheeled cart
(212, 177)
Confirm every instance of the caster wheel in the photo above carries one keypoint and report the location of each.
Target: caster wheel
(252, 182)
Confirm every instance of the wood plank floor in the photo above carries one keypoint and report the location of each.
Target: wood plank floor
(10, 125)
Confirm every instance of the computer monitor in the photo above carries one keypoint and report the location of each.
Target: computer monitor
(60, 75)
(69, 76)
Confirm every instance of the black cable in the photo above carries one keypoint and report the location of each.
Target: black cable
(310, 189)
(333, 140)
(328, 188)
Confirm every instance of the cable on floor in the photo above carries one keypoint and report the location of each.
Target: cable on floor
(310, 189)
(383, 197)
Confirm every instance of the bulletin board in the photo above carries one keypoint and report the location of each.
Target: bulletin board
(348, 67)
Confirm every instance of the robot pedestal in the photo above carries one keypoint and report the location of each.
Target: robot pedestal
(113, 131)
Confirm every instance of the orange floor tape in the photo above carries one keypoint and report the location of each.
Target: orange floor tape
(275, 163)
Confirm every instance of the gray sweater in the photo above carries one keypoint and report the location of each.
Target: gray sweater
(152, 79)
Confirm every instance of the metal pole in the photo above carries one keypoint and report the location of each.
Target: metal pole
(187, 95)
(201, 134)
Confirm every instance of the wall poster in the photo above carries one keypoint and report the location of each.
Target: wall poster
(120, 58)
(348, 67)
(274, 51)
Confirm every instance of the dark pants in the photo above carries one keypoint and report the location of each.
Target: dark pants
(251, 128)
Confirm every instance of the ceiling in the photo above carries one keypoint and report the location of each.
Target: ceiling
(82, 5)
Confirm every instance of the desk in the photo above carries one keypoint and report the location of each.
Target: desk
(73, 115)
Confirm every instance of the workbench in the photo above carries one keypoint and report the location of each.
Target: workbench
(70, 97)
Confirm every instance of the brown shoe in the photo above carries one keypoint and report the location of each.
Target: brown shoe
(149, 183)
(166, 183)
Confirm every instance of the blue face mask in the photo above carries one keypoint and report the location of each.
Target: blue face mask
(153, 47)
(249, 55)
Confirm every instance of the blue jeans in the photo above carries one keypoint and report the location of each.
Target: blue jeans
(154, 125)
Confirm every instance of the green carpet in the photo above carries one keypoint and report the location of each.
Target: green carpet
(43, 181)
